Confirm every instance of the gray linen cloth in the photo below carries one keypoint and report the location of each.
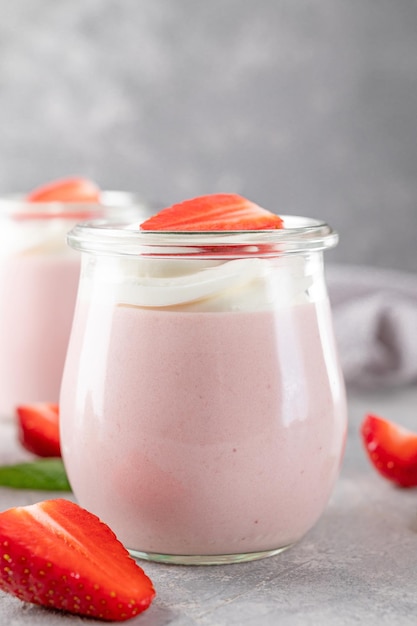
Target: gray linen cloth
(375, 319)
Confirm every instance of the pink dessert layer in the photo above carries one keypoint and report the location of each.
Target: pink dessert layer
(37, 297)
(203, 433)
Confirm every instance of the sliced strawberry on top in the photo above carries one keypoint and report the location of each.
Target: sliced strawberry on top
(39, 428)
(72, 190)
(392, 449)
(58, 555)
(216, 212)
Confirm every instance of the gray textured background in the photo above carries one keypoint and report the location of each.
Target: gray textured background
(304, 106)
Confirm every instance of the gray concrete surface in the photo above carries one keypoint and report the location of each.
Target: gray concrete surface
(357, 566)
(306, 107)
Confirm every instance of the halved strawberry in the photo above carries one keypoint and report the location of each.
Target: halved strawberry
(60, 556)
(72, 190)
(392, 450)
(39, 428)
(214, 212)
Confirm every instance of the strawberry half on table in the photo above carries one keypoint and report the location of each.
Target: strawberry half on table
(39, 428)
(215, 212)
(58, 555)
(392, 450)
(71, 190)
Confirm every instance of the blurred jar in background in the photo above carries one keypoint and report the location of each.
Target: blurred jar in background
(38, 284)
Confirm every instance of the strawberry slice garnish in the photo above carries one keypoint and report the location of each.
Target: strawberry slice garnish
(392, 450)
(39, 428)
(224, 212)
(58, 555)
(66, 190)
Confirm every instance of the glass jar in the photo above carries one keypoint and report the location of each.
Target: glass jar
(203, 412)
(38, 285)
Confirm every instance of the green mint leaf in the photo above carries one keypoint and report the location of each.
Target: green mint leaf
(43, 475)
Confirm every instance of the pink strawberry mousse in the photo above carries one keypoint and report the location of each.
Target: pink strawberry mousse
(203, 408)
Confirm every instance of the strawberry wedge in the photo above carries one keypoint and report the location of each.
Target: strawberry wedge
(58, 555)
(216, 212)
(392, 450)
(39, 428)
(66, 190)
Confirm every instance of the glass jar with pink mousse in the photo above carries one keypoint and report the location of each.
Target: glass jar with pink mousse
(203, 412)
(38, 286)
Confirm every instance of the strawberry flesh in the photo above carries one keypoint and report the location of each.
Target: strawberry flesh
(38, 428)
(58, 555)
(66, 190)
(216, 212)
(392, 449)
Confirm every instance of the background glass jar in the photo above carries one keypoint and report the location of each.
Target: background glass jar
(203, 411)
(38, 284)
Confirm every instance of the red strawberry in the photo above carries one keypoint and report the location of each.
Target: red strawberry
(392, 449)
(39, 428)
(66, 190)
(211, 213)
(58, 555)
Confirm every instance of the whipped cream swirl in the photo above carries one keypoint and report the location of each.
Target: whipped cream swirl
(199, 285)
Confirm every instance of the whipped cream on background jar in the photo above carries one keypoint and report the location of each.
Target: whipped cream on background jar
(38, 285)
(203, 411)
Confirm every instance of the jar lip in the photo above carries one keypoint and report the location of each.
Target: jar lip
(298, 234)
(15, 205)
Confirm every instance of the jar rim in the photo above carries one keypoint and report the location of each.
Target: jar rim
(299, 234)
(16, 206)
